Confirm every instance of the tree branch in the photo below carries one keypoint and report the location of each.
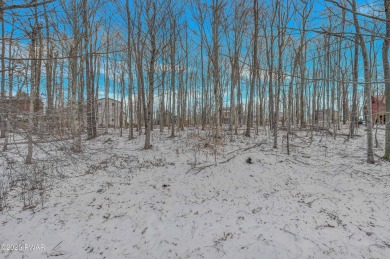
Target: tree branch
(32, 3)
(357, 13)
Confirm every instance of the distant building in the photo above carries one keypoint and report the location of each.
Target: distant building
(167, 117)
(325, 115)
(19, 109)
(378, 109)
(115, 113)
(19, 105)
(225, 114)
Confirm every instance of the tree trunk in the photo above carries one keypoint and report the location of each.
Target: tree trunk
(153, 54)
(106, 112)
(173, 74)
(2, 94)
(367, 86)
(355, 78)
(254, 69)
(386, 69)
(91, 128)
(215, 60)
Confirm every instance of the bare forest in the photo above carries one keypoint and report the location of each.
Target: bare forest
(194, 128)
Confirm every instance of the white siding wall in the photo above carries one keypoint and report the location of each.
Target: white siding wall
(114, 110)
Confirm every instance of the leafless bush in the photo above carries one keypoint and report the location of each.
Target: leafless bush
(3, 196)
(33, 184)
(203, 145)
(27, 184)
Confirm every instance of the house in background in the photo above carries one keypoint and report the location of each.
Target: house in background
(116, 115)
(19, 105)
(19, 109)
(324, 115)
(225, 116)
(378, 109)
(225, 113)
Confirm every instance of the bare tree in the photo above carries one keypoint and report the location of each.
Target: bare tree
(217, 7)
(386, 71)
(172, 45)
(355, 73)
(254, 68)
(129, 67)
(152, 28)
(367, 85)
(91, 122)
(2, 94)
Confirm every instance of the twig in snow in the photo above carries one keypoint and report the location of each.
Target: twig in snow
(200, 168)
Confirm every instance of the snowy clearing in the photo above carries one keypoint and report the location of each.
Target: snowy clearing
(116, 200)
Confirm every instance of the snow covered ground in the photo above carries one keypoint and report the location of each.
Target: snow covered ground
(189, 197)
